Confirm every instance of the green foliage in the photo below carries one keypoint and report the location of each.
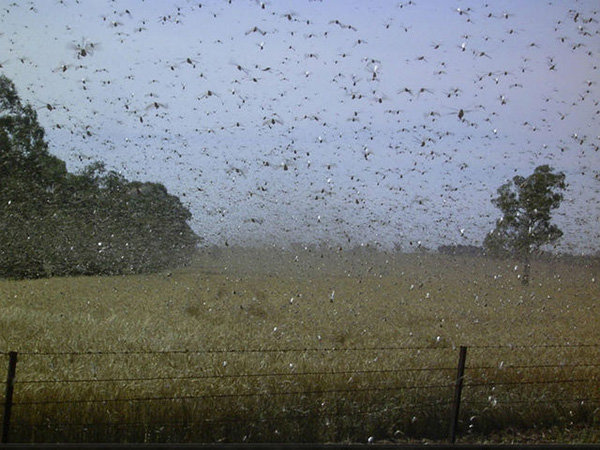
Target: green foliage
(526, 204)
(96, 222)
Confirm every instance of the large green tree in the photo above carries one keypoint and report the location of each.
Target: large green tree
(525, 225)
(53, 222)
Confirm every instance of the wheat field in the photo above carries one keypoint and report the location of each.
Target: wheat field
(266, 345)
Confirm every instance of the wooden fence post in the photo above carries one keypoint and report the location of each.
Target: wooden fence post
(10, 381)
(462, 357)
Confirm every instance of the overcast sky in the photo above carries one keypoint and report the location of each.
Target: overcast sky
(340, 121)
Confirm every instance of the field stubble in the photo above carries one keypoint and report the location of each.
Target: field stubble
(369, 345)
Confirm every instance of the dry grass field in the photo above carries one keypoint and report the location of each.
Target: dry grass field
(276, 346)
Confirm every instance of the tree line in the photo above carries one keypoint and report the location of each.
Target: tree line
(54, 222)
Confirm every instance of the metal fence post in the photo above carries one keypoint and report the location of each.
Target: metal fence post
(457, 392)
(10, 381)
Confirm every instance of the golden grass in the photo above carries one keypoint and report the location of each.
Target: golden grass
(266, 299)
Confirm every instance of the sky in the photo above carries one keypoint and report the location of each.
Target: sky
(336, 122)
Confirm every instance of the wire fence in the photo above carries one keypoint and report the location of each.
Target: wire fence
(52, 393)
(436, 347)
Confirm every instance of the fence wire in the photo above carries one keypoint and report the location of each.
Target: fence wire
(547, 401)
(239, 395)
(241, 375)
(235, 350)
(441, 390)
(299, 349)
(522, 382)
(283, 417)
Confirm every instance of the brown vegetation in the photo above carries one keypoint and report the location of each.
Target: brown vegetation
(357, 332)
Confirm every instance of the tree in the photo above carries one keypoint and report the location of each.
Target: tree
(53, 222)
(22, 144)
(526, 205)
